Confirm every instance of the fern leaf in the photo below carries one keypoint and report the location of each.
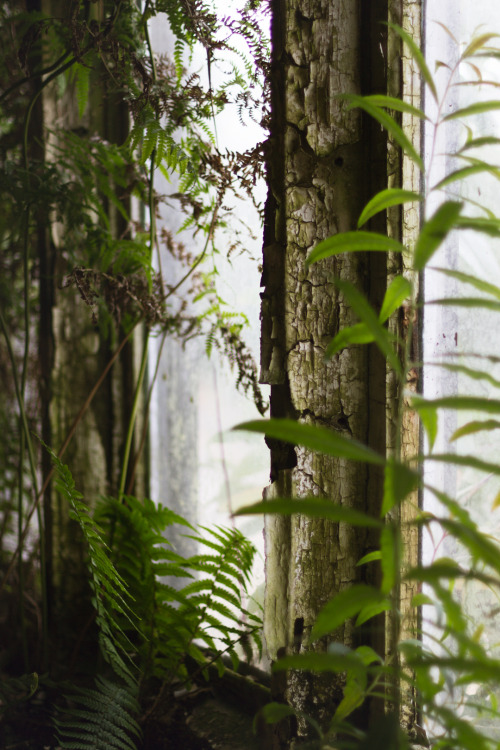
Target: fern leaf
(110, 594)
(104, 716)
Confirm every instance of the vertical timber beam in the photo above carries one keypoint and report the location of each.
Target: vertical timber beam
(404, 81)
(324, 161)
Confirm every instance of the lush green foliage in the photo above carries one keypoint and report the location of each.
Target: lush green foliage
(147, 626)
(72, 182)
(450, 663)
(103, 716)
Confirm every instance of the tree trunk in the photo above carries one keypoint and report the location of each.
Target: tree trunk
(324, 163)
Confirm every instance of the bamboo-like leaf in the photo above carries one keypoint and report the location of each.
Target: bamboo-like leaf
(470, 461)
(447, 30)
(354, 696)
(350, 242)
(274, 712)
(484, 549)
(476, 303)
(464, 172)
(434, 231)
(419, 58)
(418, 600)
(368, 655)
(313, 508)
(479, 77)
(352, 335)
(314, 662)
(364, 310)
(429, 418)
(370, 557)
(399, 482)
(487, 140)
(343, 606)
(443, 567)
(372, 610)
(398, 105)
(385, 199)
(473, 427)
(313, 437)
(387, 122)
(477, 43)
(477, 283)
(489, 226)
(459, 403)
(441, 64)
(478, 108)
(397, 291)
(484, 82)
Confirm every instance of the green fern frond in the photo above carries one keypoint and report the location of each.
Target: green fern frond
(103, 716)
(178, 61)
(15, 690)
(111, 597)
(201, 613)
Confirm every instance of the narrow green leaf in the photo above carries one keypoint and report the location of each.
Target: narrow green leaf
(455, 509)
(478, 108)
(350, 242)
(476, 303)
(477, 283)
(487, 140)
(385, 199)
(352, 335)
(397, 291)
(354, 695)
(459, 403)
(447, 30)
(343, 606)
(472, 427)
(484, 549)
(419, 599)
(370, 557)
(274, 712)
(387, 122)
(464, 172)
(364, 310)
(314, 662)
(471, 461)
(312, 507)
(428, 416)
(441, 64)
(489, 226)
(399, 482)
(372, 610)
(368, 655)
(434, 231)
(483, 82)
(476, 43)
(313, 437)
(398, 105)
(419, 58)
(443, 567)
